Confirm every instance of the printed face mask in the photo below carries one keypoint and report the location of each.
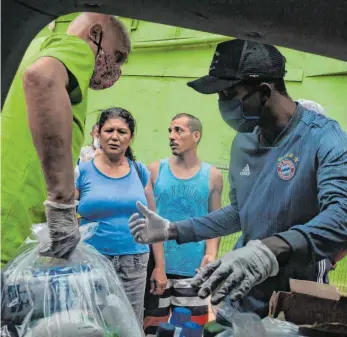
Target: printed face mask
(106, 72)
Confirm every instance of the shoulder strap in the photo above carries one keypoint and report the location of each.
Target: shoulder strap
(138, 173)
(164, 164)
(205, 167)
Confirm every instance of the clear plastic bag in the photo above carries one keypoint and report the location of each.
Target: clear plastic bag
(47, 297)
(277, 328)
(248, 325)
(240, 324)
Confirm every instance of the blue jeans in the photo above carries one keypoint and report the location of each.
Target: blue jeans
(132, 271)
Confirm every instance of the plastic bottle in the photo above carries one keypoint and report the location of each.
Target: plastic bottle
(44, 290)
(178, 318)
(165, 330)
(191, 329)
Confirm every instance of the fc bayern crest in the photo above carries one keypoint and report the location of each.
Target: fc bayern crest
(286, 169)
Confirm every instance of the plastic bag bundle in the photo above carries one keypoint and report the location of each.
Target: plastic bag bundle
(241, 324)
(79, 297)
(277, 328)
(246, 325)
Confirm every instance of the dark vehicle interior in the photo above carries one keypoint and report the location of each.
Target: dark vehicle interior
(318, 27)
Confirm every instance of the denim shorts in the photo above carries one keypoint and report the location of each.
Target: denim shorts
(132, 271)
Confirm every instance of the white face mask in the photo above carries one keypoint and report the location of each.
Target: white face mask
(96, 143)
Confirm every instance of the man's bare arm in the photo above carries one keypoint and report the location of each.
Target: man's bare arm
(158, 277)
(158, 250)
(50, 121)
(214, 203)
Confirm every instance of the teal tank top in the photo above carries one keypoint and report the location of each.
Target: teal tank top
(180, 199)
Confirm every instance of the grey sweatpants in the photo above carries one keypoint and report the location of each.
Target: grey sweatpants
(132, 271)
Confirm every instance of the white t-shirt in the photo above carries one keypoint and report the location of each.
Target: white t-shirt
(87, 153)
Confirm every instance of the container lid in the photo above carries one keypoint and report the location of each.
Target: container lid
(191, 329)
(165, 330)
(212, 329)
(180, 316)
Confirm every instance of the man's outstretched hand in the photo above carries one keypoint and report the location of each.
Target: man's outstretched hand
(236, 273)
(150, 229)
(63, 228)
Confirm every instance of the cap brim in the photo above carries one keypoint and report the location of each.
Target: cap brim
(211, 85)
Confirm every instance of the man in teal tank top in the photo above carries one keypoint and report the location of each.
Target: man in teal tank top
(43, 128)
(184, 187)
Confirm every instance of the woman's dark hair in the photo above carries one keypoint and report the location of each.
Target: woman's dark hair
(128, 118)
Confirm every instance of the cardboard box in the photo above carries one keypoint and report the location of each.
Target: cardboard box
(318, 309)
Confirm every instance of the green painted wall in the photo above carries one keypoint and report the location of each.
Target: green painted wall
(153, 87)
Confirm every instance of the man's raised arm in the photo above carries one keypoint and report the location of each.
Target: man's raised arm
(50, 121)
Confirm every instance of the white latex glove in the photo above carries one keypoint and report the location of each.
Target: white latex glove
(236, 273)
(151, 229)
(63, 228)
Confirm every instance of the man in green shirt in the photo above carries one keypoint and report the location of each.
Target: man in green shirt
(43, 128)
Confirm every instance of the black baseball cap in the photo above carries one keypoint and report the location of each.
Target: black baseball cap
(239, 60)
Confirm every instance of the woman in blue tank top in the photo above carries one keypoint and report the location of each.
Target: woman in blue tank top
(107, 189)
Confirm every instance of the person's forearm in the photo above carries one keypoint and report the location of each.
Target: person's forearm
(158, 252)
(319, 238)
(172, 231)
(304, 243)
(218, 223)
(211, 244)
(281, 249)
(212, 247)
(50, 121)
